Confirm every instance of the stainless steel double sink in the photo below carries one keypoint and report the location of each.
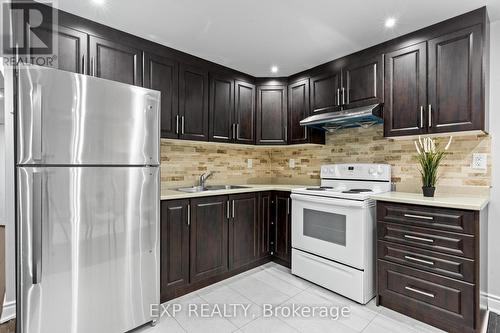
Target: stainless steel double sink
(195, 189)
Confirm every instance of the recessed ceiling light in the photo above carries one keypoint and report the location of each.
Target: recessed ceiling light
(274, 69)
(99, 2)
(390, 22)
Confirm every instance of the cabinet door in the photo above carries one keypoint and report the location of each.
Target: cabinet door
(271, 115)
(282, 225)
(71, 47)
(221, 108)
(264, 221)
(362, 82)
(243, 230)
(325, 93)
(406, 91)
(193, 103)
(298, 109)
(455, 81)
(209, 243)
(174, 246)
(162, 74)
(244, 112)
(114, 61)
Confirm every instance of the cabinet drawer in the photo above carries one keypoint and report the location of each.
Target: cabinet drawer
(454, 220)
(446, 242)
(451, 266)
(428, 297)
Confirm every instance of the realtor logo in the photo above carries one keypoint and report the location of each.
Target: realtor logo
(27, 28)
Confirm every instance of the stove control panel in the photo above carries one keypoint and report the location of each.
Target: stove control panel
(358, 171)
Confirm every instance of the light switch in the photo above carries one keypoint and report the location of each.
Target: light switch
(249, 163)
(291, 163)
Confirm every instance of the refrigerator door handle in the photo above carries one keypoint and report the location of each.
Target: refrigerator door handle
(37, 122)
(36, 228)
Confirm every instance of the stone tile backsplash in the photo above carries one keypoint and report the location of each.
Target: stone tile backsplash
(184, 161)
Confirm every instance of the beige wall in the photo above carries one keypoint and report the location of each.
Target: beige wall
(183, 162)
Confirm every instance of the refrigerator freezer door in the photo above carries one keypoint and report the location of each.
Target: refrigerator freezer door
(72, 119)
(89, 241)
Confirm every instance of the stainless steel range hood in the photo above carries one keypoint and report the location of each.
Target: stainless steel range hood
(365, 116)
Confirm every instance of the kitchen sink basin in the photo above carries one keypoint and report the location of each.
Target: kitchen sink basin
(195, 189)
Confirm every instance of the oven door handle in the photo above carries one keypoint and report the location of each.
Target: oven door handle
(330, 201)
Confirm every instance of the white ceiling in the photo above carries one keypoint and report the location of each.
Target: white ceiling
(250, 36)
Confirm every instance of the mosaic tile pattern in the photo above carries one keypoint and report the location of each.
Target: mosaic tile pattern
(184, 161)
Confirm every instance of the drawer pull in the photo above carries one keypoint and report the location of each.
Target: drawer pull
(427, 240)
(428, 262)
(420, 292)
(419, 217)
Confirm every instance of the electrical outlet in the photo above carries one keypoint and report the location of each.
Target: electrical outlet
(479, 161)
(291, 163)
(249, 163)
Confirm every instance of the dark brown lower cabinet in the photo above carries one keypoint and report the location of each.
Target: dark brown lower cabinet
(281, 225)
(431, 273)
(243, 230)
(174, 246)
(205, 240)
(209, 233)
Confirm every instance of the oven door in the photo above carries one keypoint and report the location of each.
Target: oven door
(336, 229)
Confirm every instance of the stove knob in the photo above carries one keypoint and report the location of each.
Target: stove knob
(372, 171)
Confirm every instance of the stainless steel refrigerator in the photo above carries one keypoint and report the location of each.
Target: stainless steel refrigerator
(87, 168)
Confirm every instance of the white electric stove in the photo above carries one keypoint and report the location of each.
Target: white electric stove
(333, 229)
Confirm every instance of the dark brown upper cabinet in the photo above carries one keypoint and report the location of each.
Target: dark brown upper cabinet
(209, 242)
(325, 92)
(71, 47)
(193, 103)
(298, 109)
(243, 230)
(244, 112)
(455, 81)
(162, 74)
(174, 246)
(271, 115)
(221, 108)
(362, 82)
(406, 91)
(115, 61)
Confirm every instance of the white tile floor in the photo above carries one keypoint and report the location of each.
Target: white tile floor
(274, 284)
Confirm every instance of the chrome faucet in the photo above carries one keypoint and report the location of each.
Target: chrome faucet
(203, 178)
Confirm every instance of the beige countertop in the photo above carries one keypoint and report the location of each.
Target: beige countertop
(476, 202)
(171, 194)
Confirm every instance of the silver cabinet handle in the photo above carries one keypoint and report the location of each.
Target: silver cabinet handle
(177, 124)
(92, 66)
(234, 131)
(286, 132)
(419, 217)
(37, 122)
(36, 228)
(189, 215)
(427, 262)
(237, 135)
(233, 211)
(343, 96)
(227, 209)
(288, 207)
(338, 96)
(427, 240)
(430, 115)
(182, 125)
(421, 116)
(420, 292)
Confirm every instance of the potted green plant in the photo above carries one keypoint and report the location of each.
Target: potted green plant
(429, 156)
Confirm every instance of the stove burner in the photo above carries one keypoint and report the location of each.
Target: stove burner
(321, 188)
(357, 190)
